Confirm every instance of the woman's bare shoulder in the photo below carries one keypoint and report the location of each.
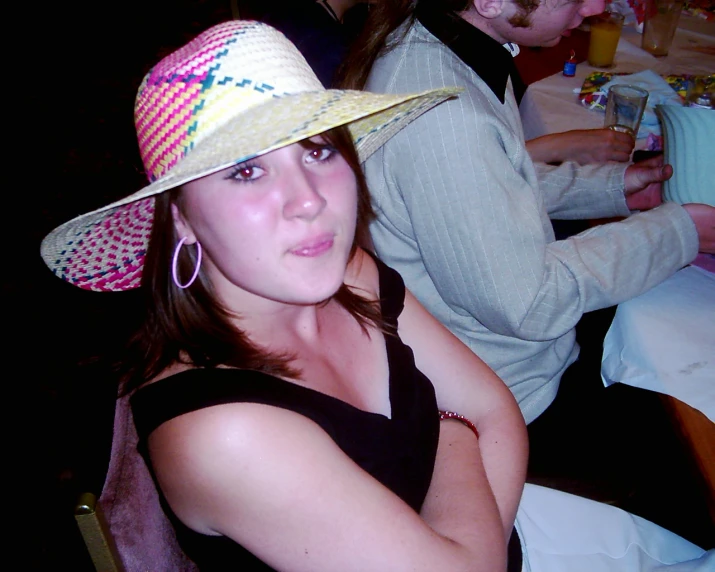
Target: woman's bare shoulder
(238, 428)
(202, 455)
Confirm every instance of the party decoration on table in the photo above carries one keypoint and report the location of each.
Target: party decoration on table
(689, 146)
(593, 96)
(594, 90)
(680, 82)
(701, 93)
(570, 65)
(703, 9)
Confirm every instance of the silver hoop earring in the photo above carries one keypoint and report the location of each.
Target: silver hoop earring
(174, 262)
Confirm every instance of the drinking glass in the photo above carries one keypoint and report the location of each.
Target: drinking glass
(605, 33)
(624, 108)
(659, 23)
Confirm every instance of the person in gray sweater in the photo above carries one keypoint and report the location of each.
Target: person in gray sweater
(464, 213)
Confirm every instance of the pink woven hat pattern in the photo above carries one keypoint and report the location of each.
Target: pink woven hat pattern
(238, 90)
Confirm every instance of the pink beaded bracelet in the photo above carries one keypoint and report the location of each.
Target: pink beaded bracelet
(461, 418)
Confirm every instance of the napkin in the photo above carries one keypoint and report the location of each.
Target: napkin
(660, 93)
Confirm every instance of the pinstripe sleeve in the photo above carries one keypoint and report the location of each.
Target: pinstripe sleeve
(575, 192)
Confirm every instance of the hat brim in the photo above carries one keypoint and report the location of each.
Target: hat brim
(371, 118)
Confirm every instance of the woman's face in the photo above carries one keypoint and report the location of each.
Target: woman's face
(277, 228)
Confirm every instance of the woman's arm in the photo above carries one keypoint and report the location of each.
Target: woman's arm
(465, 384)
(275, 482)
(459, 477)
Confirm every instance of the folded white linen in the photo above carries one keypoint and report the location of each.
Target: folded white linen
(560, 532)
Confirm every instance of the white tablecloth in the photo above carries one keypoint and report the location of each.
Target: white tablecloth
(664, 340)
(552, 105)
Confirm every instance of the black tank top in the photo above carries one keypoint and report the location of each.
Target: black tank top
(399, 451)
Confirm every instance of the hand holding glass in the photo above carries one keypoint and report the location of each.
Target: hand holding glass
(624, 108)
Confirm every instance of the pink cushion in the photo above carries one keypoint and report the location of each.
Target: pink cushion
(130, 501)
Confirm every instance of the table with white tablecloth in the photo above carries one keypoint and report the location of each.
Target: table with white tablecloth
(551, 105)
(664, 339)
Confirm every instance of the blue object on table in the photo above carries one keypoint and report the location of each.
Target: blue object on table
(689, 146)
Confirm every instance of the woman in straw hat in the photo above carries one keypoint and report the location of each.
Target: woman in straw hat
(286, 421)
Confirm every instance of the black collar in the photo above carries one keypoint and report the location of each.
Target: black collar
(487, 57)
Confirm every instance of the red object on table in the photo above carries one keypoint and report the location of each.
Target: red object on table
(537, 63)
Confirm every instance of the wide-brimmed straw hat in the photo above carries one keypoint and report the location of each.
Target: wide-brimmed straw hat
(238, 90)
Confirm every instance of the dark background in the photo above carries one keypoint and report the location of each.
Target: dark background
(77, 151)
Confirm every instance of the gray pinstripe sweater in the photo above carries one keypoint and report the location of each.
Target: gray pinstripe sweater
(463, 215)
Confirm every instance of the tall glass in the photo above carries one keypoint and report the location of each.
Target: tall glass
(659, 24)
(605, 33)
(625, 107)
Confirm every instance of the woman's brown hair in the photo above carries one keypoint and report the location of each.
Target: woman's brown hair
(191, 325)
(384, 17)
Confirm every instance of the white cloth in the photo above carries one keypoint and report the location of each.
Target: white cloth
(664, 340)
(560, 532)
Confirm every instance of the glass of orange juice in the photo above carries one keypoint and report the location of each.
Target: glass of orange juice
(605, 33)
